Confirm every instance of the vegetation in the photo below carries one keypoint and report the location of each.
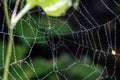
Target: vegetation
(79, 71)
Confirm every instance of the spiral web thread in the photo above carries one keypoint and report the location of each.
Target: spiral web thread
(88, 38)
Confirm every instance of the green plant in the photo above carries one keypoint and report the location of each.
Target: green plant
(58, 7)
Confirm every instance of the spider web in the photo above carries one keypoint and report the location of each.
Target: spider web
(86, 36)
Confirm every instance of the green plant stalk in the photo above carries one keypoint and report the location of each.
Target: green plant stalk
(26, 8)
(6, 12)
(11, 24)
(5, 74)
(8, 55)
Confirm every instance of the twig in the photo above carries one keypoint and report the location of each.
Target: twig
(26, 8)
(10, 40)
(15, 10)
(6, 12)
(8, 56)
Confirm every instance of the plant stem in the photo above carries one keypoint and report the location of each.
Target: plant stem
(11, 24)
(6, 12)
(26, 8)
(9, 51)
(8, 55)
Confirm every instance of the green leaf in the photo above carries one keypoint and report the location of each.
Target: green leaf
(19, 52)
(63, 29)
(75, 3)
(21, 70)
(52, 7)
(57, 26)
(85, 72)
(29, 31)
(79, 71)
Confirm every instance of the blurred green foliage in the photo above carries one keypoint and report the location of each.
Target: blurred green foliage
(34, 28)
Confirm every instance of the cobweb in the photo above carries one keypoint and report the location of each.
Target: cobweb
(88, 35)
